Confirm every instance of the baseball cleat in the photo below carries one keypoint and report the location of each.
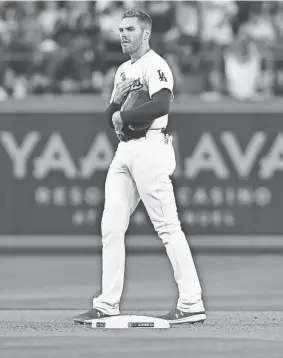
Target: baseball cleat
(177, 316)
(89, 316)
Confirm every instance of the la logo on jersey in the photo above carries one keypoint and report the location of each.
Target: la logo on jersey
(161, 76)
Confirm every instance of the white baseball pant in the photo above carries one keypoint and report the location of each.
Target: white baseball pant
(141, 170)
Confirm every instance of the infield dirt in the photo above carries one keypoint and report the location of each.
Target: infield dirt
(40, 295)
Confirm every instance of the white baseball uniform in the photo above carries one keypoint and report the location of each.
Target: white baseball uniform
(141, 169)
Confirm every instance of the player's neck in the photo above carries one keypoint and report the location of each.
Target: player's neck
(137, 55)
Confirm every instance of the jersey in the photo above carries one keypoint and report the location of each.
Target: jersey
(151, 73)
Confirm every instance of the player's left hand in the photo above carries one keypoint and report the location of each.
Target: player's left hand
(117, 122)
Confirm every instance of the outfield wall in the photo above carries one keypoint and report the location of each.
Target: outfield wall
(228, 179)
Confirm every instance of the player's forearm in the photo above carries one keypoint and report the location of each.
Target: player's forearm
(112, 108)
(147, 112)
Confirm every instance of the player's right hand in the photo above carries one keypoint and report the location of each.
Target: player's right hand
(122, 90)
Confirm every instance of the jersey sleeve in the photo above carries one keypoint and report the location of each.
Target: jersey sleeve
(158, 76)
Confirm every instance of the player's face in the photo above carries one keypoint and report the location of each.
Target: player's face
(131, 35)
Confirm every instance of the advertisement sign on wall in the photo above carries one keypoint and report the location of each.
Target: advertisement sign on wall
(228, 178)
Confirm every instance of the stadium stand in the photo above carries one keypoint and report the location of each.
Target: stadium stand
(215, 48)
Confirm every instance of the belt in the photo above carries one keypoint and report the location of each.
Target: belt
(125, 138)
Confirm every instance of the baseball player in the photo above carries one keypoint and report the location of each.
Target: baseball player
(141, 170)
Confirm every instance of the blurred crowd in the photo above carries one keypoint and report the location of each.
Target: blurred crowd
(214, 48)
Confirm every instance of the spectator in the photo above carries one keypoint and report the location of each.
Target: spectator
(242, 68)
(216, 35)
(69, 68)
(275, 50)
(163, 21)
(109, 17)
(49, 16)
(182, 43)
(18, 52)
(261, 30)
(216, 22)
